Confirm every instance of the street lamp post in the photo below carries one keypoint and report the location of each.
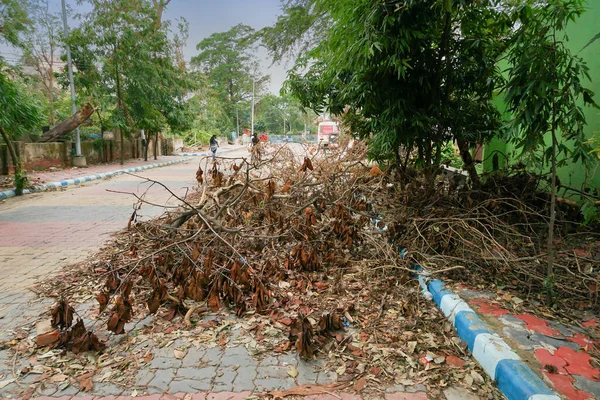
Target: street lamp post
(252, 106)
(79, 159)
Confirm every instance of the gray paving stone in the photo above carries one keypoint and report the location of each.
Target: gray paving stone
(458, 393)
(288, 359)
(235, 359)
(47, 389)
(188, 386)
(565, 331)
(213, 356)
(204, 373)
(143, 377)
(165, 363)
(145, 322)
(225, 376)
(269, 361)
(244, 380)
(10, 390)
(395, 388)
(474, 294)
(512, 321)
(160, 382)
(274, 384)
(587, 385)
(326, 377)
(107, 389)
(307, 373)
(529, 341)
(164, 352)
(278, 372)
(71, 391)
(193, 357)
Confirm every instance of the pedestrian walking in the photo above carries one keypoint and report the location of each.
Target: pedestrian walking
(214, 144)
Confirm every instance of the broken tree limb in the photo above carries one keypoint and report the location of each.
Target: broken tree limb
(69, 125)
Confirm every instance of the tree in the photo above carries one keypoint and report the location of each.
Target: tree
(543, 90)
(300, 28)
(272, 112)
(14, 21)
(40, 49)
(19, 110)
(127, 63)
(415, 76)
(228, 61)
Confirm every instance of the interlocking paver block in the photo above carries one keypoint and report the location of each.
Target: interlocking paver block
(587, 385)
(269, 361)
(161, 381)
(237, 356)
(307, 373)
(204, 373)
(223, 381)
(193, 357)
(244, 379)
(165, 363)
(143, 377)
(107, 389)
(213, 356)
(267, 384)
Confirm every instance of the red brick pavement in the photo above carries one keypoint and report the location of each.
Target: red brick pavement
(241, 396)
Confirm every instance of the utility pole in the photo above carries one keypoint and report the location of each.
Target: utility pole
(79, 159)
(252, 106)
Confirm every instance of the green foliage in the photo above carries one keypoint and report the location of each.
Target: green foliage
(450, 156)
(20, 111)
(228, 61)
(417, 75)
(590, 212)
(545, 83)
(127, 63)
(14, 20)
(300, 28)
(272, 111)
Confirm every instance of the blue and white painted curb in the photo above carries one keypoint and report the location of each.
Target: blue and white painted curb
(512, 376)
(75, 181)
(206, 153)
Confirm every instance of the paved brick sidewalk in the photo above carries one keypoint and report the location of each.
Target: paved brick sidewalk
(43, 232)
(561, 354)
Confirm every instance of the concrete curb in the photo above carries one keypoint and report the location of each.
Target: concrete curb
(74, 181)
(206, 153)
(512, 376)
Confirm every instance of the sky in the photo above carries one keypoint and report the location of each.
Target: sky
(206, 17)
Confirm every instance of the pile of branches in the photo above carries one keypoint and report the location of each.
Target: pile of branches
(249, 236)
(498, 234)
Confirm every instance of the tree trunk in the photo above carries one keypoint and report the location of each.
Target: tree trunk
(467, 159)
(550, 269)
(69, 125)
(51, 117)
(156, 145)
(15, 161)
(119, 105)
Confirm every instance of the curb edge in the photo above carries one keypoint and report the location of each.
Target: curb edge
(512, 376)
(83, 179)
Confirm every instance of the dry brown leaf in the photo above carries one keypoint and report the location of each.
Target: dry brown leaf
(375, 171)
(58, 378)
(360, 384)
(86, 384)
(179, 354)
